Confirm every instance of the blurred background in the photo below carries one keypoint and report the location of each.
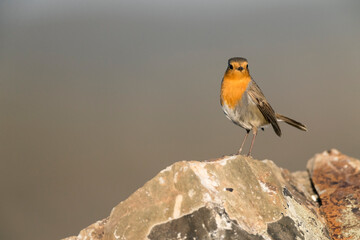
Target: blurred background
(96, 97)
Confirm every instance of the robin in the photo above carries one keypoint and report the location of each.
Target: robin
(244, 103)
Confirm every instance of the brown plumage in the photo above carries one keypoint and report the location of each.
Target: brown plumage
(244, 103)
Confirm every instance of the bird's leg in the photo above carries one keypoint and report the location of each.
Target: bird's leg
(253, 140)
(242, 145)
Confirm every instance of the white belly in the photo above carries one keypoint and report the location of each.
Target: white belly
(246, 114)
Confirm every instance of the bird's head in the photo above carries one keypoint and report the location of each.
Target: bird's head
(237, 67)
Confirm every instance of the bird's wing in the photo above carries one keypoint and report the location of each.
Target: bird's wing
(267, 111)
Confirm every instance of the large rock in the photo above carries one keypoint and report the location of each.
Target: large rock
(230, 198)
(336, 178)
(241, 198)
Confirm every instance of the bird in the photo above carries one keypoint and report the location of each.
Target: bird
(245, 105)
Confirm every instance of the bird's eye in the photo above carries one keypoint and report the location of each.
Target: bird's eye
(240, 68)
(247, 66)
(230, 66)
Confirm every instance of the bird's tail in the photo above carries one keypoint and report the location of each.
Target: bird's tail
(291, 122)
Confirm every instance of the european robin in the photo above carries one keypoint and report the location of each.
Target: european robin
(244, 103)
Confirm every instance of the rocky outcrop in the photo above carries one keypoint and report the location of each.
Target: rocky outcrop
(238, 197)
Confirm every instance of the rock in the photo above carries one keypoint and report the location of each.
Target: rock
(231, 198)
(238, 197)
(303, 182)
(336, 178)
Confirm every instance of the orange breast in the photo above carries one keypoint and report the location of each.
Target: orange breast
(232, 88)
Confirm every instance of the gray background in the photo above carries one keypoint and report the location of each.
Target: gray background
(96, 97)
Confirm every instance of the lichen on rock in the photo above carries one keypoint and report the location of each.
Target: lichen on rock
(336, 178)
